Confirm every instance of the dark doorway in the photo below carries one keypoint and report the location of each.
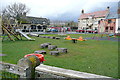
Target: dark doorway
(106, 29)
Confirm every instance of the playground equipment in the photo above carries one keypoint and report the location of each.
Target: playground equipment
(81, 39)
(74, 39)
(16, 33)
(68, 38)
(8, 32)
(24, 35)
(12, 31)
(40, 56)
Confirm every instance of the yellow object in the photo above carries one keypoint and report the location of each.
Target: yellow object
(68, 38)
(81, 39)
(114, 36)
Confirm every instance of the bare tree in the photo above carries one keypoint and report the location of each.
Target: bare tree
(15, 11)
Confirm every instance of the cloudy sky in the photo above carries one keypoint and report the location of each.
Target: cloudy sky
(68, 10)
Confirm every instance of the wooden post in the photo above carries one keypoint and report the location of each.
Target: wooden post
(29, 63)
(20, 36)
(8, 34)
(11, 32)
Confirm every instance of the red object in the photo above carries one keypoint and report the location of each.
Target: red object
(74, 39)
(90, 31)
(80, 30)
(40, 56)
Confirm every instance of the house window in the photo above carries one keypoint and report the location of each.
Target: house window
(39, 27)
(25, 27)
(95, 28)
(98, 22)
(33, 27)
(118, 28)
(111, 28)
(106, 28)
(109, 21)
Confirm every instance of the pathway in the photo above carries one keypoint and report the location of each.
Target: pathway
(104, 38)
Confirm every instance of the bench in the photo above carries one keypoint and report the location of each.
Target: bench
(62, 50)
(56, 53)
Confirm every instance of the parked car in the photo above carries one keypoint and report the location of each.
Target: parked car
(48, 30)
(91, 31)
(51, 30)
(95, 31)
(54, 30)
(80, 30)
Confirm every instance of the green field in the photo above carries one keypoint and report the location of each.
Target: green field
(92, 56)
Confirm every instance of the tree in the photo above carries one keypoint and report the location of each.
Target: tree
(15, 11)
(72, 24)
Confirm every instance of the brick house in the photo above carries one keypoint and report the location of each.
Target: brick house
(118, 20)
(109, 24)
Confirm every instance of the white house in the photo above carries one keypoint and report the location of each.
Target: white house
(91, 20)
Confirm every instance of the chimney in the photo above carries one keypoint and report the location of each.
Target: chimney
(82, 11)
(108, 8)
(118, 11)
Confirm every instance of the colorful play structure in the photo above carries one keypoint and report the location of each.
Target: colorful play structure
(25, 35)
(16, 34)
(11, 31)
(40, 56)
(79, 39)
(68, 38)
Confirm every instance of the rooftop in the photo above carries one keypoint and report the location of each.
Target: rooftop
(94, 14)
(112, 15)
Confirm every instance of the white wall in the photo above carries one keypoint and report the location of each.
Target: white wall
(0, 20)
(84, 22)
(117, 25)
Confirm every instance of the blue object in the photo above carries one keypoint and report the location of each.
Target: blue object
(110, 35)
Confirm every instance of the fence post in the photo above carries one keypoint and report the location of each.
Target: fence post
(29, 63)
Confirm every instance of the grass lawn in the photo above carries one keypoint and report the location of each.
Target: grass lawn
(92, 56)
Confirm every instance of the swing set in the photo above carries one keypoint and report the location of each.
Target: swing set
(8, 31)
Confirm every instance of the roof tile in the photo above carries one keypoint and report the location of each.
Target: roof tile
(95, 14)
